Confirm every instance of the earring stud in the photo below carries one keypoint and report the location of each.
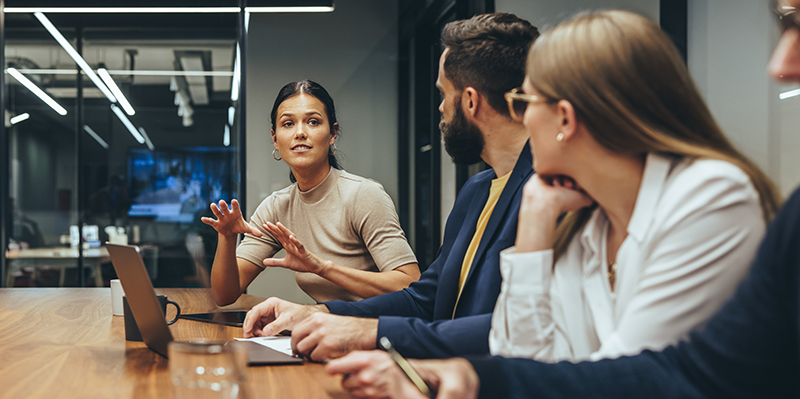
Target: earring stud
(560, 136)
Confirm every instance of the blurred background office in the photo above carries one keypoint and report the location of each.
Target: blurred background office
(158, 112)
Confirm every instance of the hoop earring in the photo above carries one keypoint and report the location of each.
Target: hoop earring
(332, 149)
(278, 158)
(560, 136)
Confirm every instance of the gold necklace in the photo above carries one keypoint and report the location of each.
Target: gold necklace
(612, 274)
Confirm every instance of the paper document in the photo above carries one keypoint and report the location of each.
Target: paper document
(281, 344)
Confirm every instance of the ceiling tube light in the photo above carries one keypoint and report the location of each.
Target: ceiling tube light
(95, 136)
(789, 94)
(231, 115)
(235, 80)
(162, 10)
(115, 89)
(37, 91)
(122, 10)
(226, 137)
(19, 118)
(289, 9)
(75, 56)
(127, 123)
(147, 139)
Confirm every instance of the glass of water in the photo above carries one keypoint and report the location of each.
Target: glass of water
(206, 370)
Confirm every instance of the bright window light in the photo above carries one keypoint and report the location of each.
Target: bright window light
(37, 91)
(19, 118)
(789, 94)
(117, 92)
(127, 123)
(95, 136)
(75, 56)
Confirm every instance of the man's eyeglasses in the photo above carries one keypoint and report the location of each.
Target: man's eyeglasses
(787, 17)
(518, 102)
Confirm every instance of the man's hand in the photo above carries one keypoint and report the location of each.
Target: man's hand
(325, 336)
(373, 374)
(275, 315)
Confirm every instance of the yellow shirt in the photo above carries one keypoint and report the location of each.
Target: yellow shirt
(498, 185)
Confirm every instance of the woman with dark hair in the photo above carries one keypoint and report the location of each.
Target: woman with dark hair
(339, 230)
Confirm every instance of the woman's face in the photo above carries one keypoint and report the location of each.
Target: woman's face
(542, 122)
(302, 132)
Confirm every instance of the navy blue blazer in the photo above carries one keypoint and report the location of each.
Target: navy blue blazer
(419, 319)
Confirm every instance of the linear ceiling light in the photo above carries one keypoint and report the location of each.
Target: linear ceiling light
(147, 139)
(231, 115)
(789, 94)
(95, 136)
(289, 9)
(127, 123)
(75, 56)
(19, 118)
(226, 137)
(122, 10)
(235, 79)
(37, 91)
(127, 72)
(162, 10)
(117, 92)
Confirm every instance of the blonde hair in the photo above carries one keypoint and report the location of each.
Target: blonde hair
(633, 92)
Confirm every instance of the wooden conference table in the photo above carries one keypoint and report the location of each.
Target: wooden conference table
(64, 343)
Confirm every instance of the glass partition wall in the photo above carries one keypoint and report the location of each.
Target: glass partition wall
(132, 145)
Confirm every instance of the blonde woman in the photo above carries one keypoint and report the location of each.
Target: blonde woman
(663, 214)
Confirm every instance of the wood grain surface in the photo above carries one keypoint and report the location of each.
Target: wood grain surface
(64, 343)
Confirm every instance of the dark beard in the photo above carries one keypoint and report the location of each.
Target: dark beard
(462, 140)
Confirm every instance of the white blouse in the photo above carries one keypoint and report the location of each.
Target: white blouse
(695, 228)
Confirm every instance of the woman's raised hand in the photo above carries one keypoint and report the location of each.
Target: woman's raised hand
(298, 258)
(229, 221)
(544, 199)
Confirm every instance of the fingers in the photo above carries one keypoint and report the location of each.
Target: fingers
(352, 363)
(209, 221)
(215, 209)
(258, 316)
(223, 207)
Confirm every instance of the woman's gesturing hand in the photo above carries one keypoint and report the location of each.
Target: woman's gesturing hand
(298, 258)
(543, 200)
(229, 221)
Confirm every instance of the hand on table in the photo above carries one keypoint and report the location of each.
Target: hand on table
(324, 336)
(298, 258)
(275, 315)
(229, 221)
(373, 374)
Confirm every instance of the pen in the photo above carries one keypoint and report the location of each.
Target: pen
(407, 369)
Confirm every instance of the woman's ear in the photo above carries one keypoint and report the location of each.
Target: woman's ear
(334, 133)
(274, 140)
(569, 121)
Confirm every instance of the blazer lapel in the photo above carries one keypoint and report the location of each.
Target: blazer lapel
(452, 270)
(522, 170)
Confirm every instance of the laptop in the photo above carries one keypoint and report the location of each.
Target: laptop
(150, 317)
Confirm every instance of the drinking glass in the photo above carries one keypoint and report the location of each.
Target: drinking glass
(206, 370)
